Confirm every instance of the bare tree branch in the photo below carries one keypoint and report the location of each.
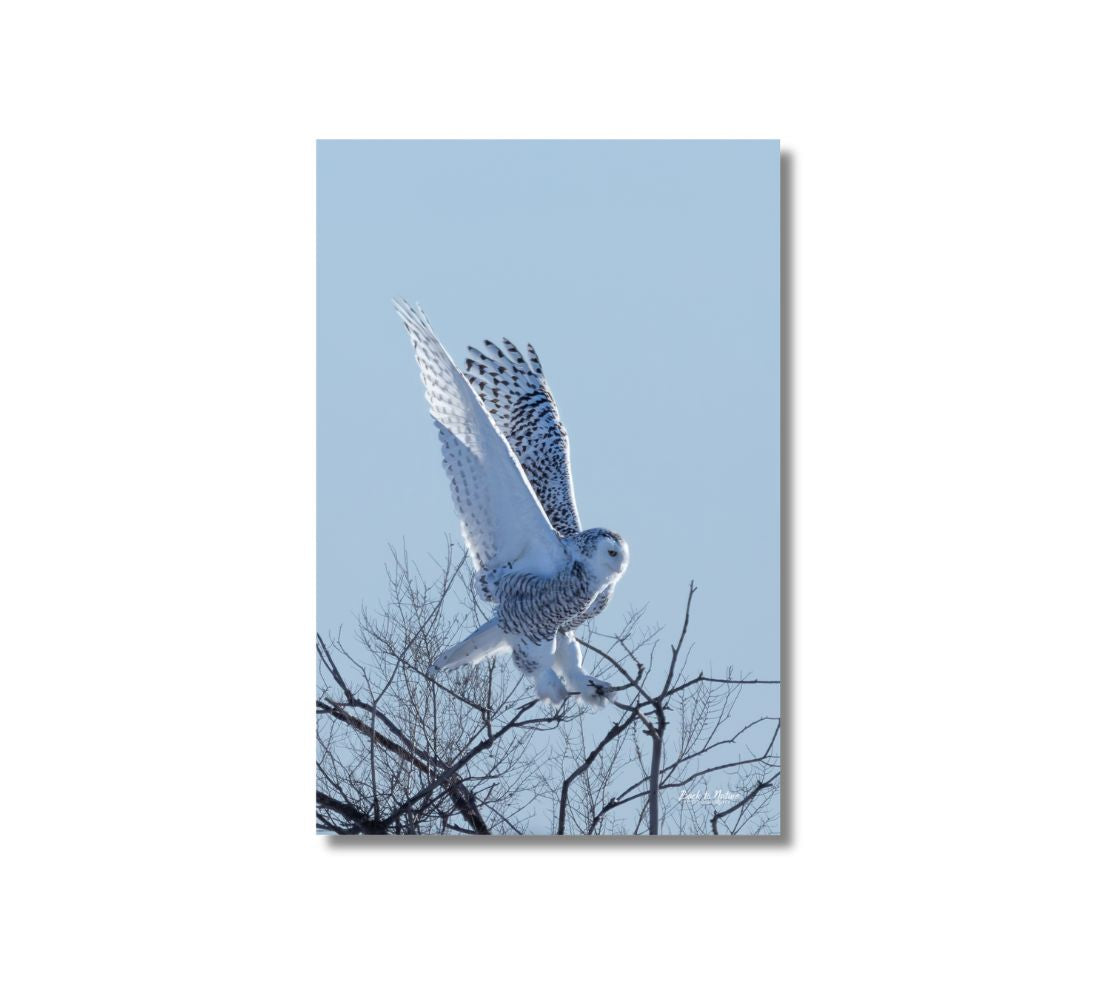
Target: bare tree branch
(402, 753)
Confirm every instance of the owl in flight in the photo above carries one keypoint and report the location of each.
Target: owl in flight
(506, 454)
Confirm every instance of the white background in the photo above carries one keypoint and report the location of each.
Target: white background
(952, 687)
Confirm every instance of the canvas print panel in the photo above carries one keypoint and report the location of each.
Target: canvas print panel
(548, 489)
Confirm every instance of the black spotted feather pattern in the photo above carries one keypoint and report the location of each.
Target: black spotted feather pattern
(517, 397)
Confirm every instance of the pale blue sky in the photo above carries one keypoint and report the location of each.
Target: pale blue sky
(646, 275)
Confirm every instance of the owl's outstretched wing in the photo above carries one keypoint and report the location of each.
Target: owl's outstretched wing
(518, 399)
(502, 520)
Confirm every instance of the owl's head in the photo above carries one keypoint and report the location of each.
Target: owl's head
(606, 553)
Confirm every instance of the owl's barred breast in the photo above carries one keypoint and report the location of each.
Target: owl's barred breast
(539, 607)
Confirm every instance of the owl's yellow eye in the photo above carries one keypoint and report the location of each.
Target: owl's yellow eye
(612, 552)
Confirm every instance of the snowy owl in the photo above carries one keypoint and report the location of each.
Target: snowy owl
(506, 454)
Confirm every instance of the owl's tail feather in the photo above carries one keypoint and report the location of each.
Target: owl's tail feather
(489, 640)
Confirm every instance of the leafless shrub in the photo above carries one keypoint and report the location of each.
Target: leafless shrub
(473, 752)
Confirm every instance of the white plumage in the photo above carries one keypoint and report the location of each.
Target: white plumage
(506, 455)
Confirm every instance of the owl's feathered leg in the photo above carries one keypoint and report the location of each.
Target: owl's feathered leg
(568, 661)
(534, 659)
(489, 640)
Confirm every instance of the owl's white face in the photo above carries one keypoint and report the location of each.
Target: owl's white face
(611, 557)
